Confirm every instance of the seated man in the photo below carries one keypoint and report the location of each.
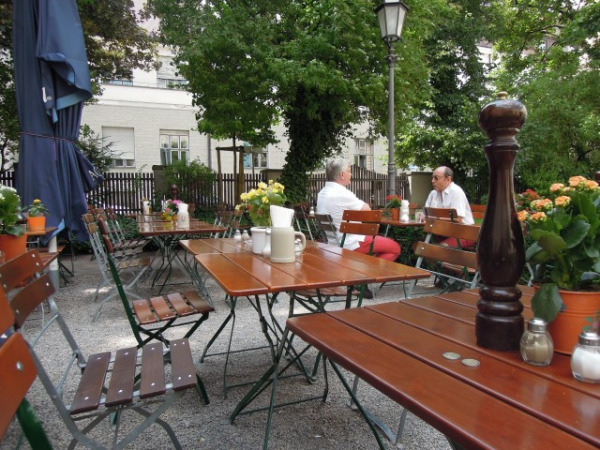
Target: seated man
(335, 198)
(447, 194)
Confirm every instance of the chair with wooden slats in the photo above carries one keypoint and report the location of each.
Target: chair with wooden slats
(131, 266)
(302, 221)
(106, 386)
(441, 213)
(327, 228)
(151, 318)
(478, 211)
(353, 222)
(456, 268)
(17, 375)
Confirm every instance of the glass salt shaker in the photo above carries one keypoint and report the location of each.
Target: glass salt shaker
(585, 360)
(237, 236)
(537, 347)
(245, 236)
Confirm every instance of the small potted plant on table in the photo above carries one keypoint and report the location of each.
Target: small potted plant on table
(36, 216)
(13, 240)
(393, 204)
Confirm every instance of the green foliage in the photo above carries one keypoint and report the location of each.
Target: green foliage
(10, 212)
(558, 81)
(96, 149)
(192, 180)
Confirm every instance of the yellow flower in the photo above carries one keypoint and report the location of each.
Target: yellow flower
(562, 201)
(556, 187)
(522, 216)
(539, 217)
(262, 185)
(577, 181)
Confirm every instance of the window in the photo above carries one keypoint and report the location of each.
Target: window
(122, 144)
(174, 146)
(363, 154)
(167, 75)
(257, 159)
(121, 82)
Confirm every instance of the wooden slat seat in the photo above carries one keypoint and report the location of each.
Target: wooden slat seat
(105, 386)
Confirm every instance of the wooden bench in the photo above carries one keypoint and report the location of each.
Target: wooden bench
(453, 266)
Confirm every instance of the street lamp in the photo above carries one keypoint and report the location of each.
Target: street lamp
(391, 16)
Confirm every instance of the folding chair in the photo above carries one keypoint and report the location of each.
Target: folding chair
(441, 213)
(106, 385)
(302, 221)
(133, 266)
(150, 319)
(327, 228)
(454, 267)
(17, 375)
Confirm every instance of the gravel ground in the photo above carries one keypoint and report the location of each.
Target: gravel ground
(309, 425)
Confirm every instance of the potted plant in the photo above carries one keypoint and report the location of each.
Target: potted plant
(36, 216)
(170, 210)
(257, 202)
(393, 204)
(564, 229)
(13, 240)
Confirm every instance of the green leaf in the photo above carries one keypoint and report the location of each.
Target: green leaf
(576, 233)
(549, 241)
(547, 302)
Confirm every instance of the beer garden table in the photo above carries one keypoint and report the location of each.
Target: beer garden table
(422, 353)
(241, 273)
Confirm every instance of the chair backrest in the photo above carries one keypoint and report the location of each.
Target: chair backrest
(441, 213)
(303, 221)
(365, 223)
(478, 211)
(327, 227)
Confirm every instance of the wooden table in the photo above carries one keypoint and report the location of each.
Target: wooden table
(399, 349)
(167, 234)
(244, 274)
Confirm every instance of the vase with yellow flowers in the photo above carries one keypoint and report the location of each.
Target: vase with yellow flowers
(564, 228)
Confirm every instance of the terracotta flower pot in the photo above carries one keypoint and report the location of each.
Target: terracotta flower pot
(395, 213)
(567, 326)
(36, 223)
(13, 246)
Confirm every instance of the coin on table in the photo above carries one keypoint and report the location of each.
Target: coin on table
(451, 355)
(470, 362)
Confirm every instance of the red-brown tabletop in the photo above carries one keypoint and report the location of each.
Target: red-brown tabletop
(503, 402)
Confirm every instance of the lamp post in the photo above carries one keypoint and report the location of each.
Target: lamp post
(391, 16)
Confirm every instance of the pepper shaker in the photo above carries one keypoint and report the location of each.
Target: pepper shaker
(585, 360)
(536, 345)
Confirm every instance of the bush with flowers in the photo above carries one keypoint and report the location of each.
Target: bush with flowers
(10, 212)
(258, 201)
(170, 208)
(393, 201)
(565, 230)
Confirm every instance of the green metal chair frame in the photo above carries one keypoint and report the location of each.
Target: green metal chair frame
(108, 386)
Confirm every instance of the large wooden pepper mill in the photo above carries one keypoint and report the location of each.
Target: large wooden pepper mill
(501, 249)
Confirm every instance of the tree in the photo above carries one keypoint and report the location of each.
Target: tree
(443, 130)
(310, 64)
(115, 45)
(550, 61)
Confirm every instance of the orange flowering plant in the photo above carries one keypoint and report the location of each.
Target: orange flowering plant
(564, 228)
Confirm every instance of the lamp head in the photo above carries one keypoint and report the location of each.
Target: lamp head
(391, 16)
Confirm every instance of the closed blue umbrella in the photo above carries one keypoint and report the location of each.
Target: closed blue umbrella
(52, 82)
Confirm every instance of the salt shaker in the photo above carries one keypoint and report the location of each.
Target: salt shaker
(585, 360)
(311, 213)
(237, 236)
(245, 236)
(537, 347)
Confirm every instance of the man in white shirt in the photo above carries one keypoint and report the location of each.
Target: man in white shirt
(447, 194)
(335, 198)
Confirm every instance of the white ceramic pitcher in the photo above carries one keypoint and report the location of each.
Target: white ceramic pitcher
(283, 245)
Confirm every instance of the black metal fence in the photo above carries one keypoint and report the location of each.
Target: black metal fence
(125, 191)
